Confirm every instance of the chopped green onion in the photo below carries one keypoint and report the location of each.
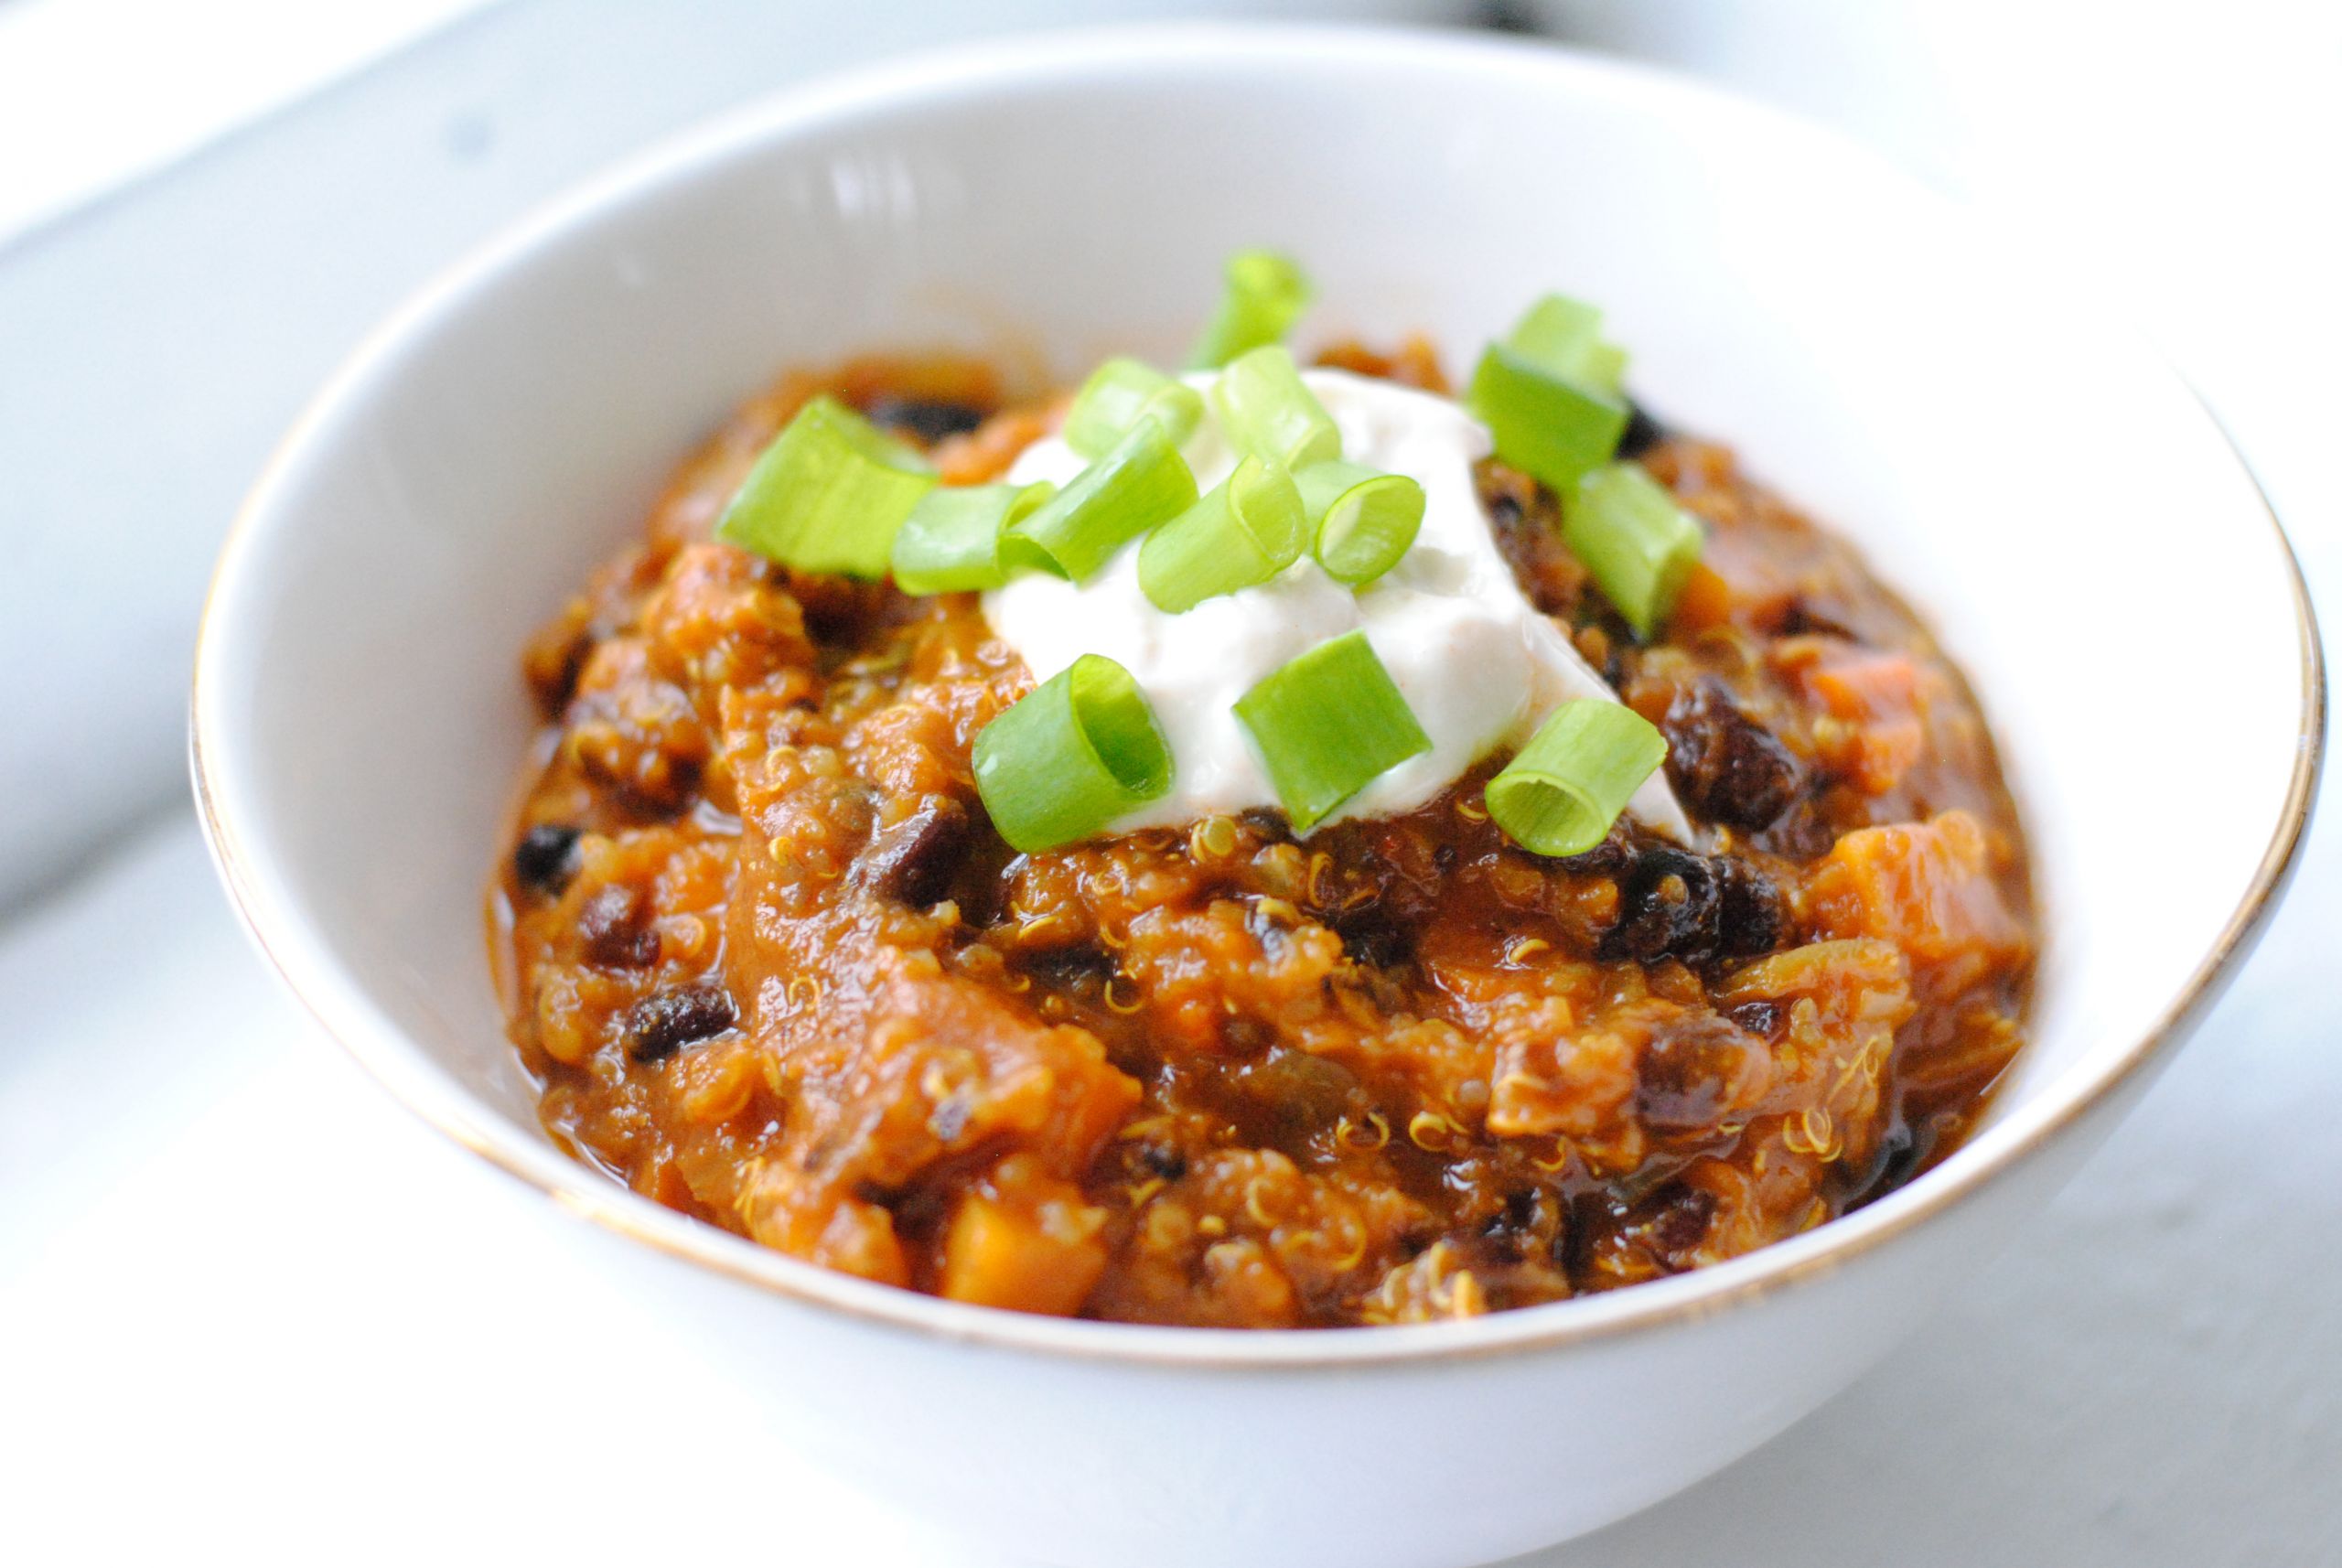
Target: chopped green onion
(1549, 391)
(1363, 521)
(1328, 724)
(950, 541)
(1263, 295)
(1561, 794)
(1545, 426)
(827, 495)
(1238, 534)
(1077, 751)
(1605, 369)
(1563, 336)
(1120, 393)
(1142, 481)
(1267, 411)
(1639, 545)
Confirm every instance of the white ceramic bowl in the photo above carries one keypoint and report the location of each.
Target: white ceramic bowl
(2044, 487)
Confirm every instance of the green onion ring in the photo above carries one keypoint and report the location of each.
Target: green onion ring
(1363, 523)
(1121, 393)
(1328, 724)
(1262, 295)
(1561, 794)
(1550, 428)
(1140, 483)
(1563, 336)
(1638, 544)
(827, 495)
(1266, 411)
(1237, 535)
(950, 541)
(1070, 755)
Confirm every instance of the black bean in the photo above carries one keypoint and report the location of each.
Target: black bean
(1075, 968)
(546, 858)
(1750, 917)
(1802, 618)
(1674, 904)
(918, 1212)
(1568, 1248)
(1521, 1207)
(1513, 1229)
(1270, 930)
(838, 610)
(1725, 765)
(1163, 1160)
(1668, 908)
(930, 419)
(1694, 1070)
(914, 861)
(1371, 938)
(613, 931)
(660, 1026)
(1267, 824)
(1683, 1223)
(1762, 1019)
(553, 682)
(1642, 432)
(1613, 855)
(1803, 833)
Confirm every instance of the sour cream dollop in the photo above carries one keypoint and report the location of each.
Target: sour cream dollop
(1478, 664)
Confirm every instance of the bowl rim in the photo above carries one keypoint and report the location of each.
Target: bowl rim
(340, 1007)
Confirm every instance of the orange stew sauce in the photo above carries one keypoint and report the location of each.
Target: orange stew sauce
(773, 967)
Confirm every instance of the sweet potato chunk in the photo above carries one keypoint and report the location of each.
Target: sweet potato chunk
(1927, 888)
(1879, 703)
(1025, 1241)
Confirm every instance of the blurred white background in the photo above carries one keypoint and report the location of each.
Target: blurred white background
(245, 1302)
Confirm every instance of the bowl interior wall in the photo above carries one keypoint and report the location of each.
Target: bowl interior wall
(2058, 507)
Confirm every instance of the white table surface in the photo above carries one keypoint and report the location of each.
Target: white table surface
(247, 1306)
(247, 1299)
